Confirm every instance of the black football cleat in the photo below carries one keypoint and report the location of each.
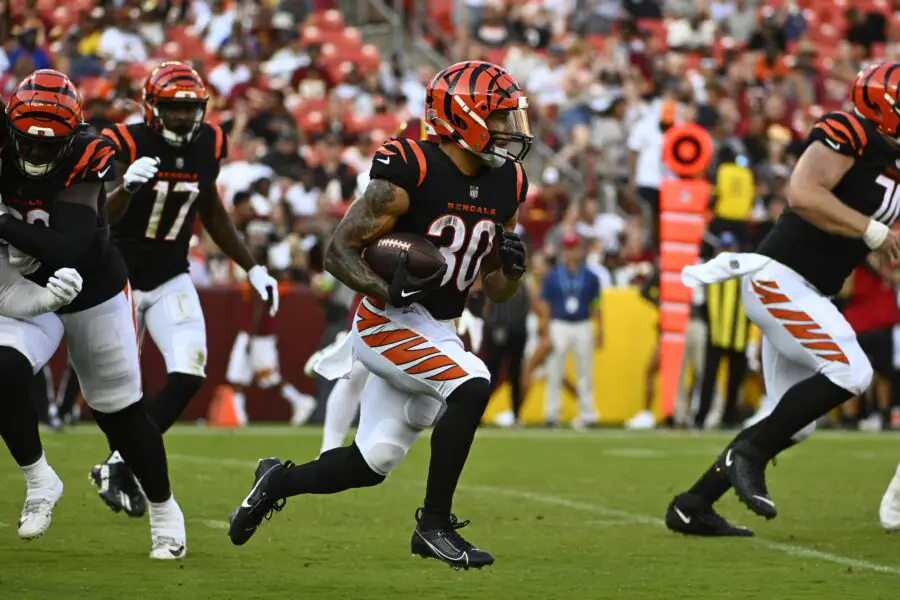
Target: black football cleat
(445, 544)
(745, 467)
(259, 504)
(689, 514)
(118, 488)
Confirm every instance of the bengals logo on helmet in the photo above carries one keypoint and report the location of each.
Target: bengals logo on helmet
(43, 116)
(875, 94)
(462, 99)
(175, 100)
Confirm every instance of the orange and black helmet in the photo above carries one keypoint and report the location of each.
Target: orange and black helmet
(875, 95)
(43, 116)
(175, 102)
(461, 99)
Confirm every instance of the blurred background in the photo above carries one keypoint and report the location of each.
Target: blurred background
(307, 89)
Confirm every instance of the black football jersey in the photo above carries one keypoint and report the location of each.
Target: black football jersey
(155, 231)
(89, 160)
(870, 186)
(457, 212)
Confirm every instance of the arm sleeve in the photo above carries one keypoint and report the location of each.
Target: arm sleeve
(399, 162)
(19, 297)
(63, 244)
(842, 132)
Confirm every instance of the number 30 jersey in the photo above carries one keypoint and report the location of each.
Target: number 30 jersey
(155, 231)
(870, 186)
(457, 212)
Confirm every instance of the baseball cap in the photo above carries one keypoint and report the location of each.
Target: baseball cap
(570, 239)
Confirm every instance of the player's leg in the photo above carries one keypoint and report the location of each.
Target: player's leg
(239, 373)
(172, 315)
(103, 350)
(708, 385)
(515, 353)
(343, 403)
(25, 346)
(175, 321)
(266, 367)
(67, 397)
(806, 328)
(385, 434)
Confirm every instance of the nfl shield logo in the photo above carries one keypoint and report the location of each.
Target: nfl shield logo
(473, 192)
(179, 163)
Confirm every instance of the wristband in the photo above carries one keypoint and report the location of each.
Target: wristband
(875, 234)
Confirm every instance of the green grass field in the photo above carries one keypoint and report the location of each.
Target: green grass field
(568, 516)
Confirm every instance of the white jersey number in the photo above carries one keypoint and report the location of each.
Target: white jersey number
(191, 188)
(890, 206)
(462, 267)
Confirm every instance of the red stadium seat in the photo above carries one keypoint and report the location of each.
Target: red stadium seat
(314, 36)
(441, 14)
(329, 20)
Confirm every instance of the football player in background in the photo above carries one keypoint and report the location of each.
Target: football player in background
(168, 165)
(52, 177)
(254, 354)
(463, 193)
(843, 199)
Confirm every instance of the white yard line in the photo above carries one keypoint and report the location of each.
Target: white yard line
(606, 513)
(211, 523)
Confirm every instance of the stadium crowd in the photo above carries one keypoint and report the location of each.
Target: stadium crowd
(305, 101)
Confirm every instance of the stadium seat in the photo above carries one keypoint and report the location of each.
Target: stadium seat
(441, 14)
(329, 20)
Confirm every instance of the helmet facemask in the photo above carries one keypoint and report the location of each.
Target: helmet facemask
(179, 120)
(38, 151)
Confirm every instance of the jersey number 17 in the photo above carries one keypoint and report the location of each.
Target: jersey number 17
(164, 189)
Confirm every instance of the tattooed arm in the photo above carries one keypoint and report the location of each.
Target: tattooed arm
(367, 219)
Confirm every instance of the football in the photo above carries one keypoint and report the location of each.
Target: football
(383, 255)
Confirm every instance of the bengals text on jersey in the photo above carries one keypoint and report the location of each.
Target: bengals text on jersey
(155, 231)
(89, 159)
(870, 186)
(457, 212)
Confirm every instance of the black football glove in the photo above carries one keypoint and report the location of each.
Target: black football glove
(406, 288)
(512, 253)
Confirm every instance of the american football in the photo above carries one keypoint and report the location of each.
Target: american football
(384, 255)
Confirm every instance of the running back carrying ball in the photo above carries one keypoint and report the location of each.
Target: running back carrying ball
(385, 254)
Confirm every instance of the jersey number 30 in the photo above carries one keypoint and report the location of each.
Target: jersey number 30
(162, 189)
(465, 269)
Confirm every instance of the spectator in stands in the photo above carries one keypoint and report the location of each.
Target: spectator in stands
(332, 170)
(312, 80)
(741, 22)
(865, 29)
(214, 23)
(272, 119)
(695, 33)
(121, 41)
(493, 30)
(289, 57)
(285, 159)
(532, 26)
(28, 44)
(231, 72)
(643, 9)
(299, 9)
(546, 82)
(596, 16)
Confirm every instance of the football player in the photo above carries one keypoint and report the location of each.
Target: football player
(169, 164)
(343, 400)
(52, 176)
(29, 335)
(843, 197)
(464, 194)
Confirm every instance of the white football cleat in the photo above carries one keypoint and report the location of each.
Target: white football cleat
(38, 510)
(642, 420)
(168, 538)
(303, 409)
(889, 512)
